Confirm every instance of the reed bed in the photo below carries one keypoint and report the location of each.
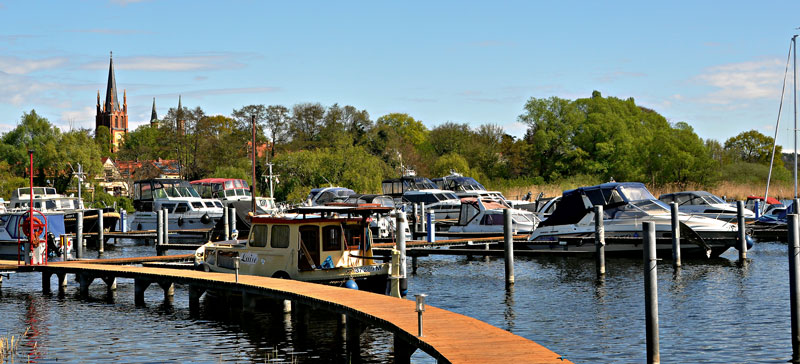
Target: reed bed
(731, 191)
(9, 345)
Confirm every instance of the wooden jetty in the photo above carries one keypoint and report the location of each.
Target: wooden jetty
(447, 336)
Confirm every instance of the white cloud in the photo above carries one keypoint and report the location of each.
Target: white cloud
(77, 119)
(18, 66)
(743, 81)
(18, 89)
(185, 63)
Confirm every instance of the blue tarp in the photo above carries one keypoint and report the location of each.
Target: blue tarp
(55, 225)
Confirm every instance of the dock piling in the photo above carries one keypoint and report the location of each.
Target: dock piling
(79, 235)
(509, 247)
(236, 268)
(165, 227)
(46, 282)
(123, 220)
(111, 283)
(416, 220)
(100, 231)
(742, 235)
(232, 216)
(676, 235)
(226, 224)
(431, 227)
(401, 223)
(85, 280)
(414, 264)
(599, 241)
(353, 339)
(139, 286)
(159, 230)
(651, 292)
(794, 283)
(422, 217)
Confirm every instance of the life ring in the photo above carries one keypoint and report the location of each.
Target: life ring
(37, 226)
(205, 219)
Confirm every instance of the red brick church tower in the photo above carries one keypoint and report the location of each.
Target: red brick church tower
(111, 115)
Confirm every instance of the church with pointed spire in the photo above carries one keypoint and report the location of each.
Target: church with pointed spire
(111, 113)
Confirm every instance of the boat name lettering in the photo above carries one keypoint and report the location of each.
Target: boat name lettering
(249, 258)
(367, 269)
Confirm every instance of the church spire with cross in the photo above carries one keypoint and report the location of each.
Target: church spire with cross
(112, 115)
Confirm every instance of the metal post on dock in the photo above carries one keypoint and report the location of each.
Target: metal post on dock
(794, 284)
(651, 292)
(236, 268)
(123, 220)
(742, 236)
(401, 224)
(422, 216)
(159, 229)
(509, 247)
(599, 241)
(676, 235)
(165, 226)
(757, 208)
(232, 216)
(226, 224)
(431, 227)
(79, 235)
(420, 308)
(100, 232)
(416, 220)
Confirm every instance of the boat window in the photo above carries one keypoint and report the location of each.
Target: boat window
(397, 187)
(50, 205)
(38, 190)
(331, 238)
(182, 207)
(682, 199)
(228, 184)
(237, 183)
(353, 235)
(246, 192)
(168, 206)
(218, 204)
(197, 205)
(636, 193)
(468, 212)
(258, 236)
(50, 191)
(147, 193)
(37, 204)
(280, 236)
(160, 193)
(492, 219)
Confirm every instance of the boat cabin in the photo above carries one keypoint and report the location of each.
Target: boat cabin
(222, 188)
(619, 199)
(322, 244)
(44, 199)
(324, 195)
(163, 191)
(458, 183)
(396, 187)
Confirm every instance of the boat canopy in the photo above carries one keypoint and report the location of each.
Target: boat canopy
(150, 189)
(613, 196)
(692, 198)
(329, 194)
(458, 183)
(429, 197)
(395, 187)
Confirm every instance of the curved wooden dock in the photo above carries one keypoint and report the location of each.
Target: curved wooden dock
(447, 336)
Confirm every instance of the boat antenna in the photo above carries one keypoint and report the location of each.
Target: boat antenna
(79, 173)
(777, 125)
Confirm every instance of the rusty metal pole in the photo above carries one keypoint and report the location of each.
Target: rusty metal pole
(676, 235)
(794, 284)
(599, 241)
(651, 292)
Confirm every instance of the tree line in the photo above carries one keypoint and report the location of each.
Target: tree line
(592, 140)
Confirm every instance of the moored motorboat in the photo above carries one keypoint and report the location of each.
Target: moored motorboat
(323, 244)
(625, 207)
(186, 209)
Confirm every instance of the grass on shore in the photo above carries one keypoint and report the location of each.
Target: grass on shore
(732, 191)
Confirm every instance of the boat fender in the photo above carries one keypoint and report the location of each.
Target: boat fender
(351, 284)
(180, 221)
(748, 240)
(139, 227)
(205, 219)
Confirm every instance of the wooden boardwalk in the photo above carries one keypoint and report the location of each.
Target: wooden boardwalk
(447, 336)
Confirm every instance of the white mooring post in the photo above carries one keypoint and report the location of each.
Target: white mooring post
(100, 231)
(742, 236)
(401, 223)
(676, 235)
(651, 292)
(599, 241)
(431, 227)
(166, 226)
(226, 224)
(422, 216)
(794, 283)
(508, 240)
(79, 235)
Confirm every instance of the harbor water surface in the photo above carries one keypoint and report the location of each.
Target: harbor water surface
(711, 311)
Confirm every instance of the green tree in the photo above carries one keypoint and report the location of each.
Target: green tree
(102, 137)
(751, 146)
(552, 125)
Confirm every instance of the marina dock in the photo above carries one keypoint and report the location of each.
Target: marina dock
(448, 337)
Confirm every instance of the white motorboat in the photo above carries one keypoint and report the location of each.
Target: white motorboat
(482, 216)
(186, 209)
(702, 203)
(626, 206)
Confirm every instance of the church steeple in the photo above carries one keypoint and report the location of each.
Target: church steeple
(112, 101)
(153, 115)
(111, 114)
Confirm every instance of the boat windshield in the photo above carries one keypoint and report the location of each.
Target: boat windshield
(175, 191)
(713, 199)
(635, 193)
(638, 209)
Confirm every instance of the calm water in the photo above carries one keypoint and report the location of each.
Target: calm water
(710, 311)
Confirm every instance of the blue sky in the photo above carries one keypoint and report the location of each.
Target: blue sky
(716, 65)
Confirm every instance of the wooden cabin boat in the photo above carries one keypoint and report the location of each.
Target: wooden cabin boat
(322, 244)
